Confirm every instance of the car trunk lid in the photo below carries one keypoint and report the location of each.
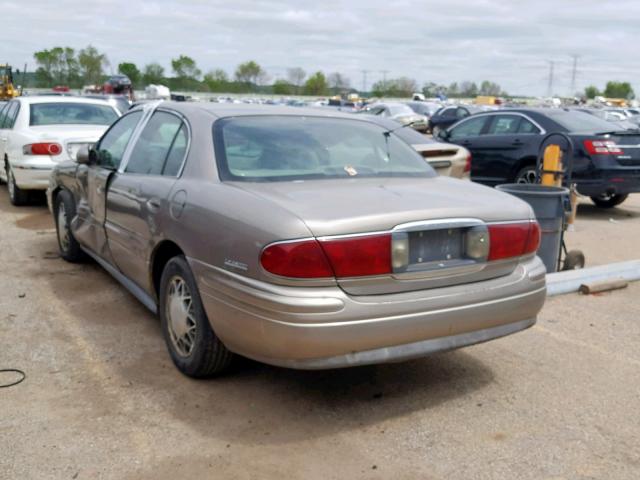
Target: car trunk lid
(431, 215)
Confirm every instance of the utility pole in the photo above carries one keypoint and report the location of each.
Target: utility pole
(550, 85)
(364, 80)
(573, 73)
(384, 77)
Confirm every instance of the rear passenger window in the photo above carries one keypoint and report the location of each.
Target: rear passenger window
(161, 146)
(527, 127)
(176, 154)
(504, 125)
(461, 113)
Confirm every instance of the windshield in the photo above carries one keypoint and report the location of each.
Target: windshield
(400, 110)
(280, 148)
(580, 121)
(71, 114)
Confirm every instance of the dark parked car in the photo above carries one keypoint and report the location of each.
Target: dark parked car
(447, 116)
(298, 237)
(505, 145)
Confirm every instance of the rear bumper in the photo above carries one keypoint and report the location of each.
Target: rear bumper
(314, 328)
(615, 181)
(32, 174)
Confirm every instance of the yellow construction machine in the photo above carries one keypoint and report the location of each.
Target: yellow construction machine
(7, 88)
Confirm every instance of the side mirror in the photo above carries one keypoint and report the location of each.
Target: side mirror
(443, 135)
(85, 156)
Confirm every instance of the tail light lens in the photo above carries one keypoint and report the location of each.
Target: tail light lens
(467, 165)
(341, 257)
(359, 256)
(303, 259)
(513, 240)
(52, 149)
(602, 147)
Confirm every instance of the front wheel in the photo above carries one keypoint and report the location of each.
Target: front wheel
(606, 200)
(64, 210)
(17, 196)
(194, 347)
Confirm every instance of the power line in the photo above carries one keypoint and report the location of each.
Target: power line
(550, 84)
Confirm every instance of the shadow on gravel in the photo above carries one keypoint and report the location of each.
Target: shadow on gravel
(590, 211)
(258, 404)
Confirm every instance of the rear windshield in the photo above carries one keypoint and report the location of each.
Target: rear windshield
(280, 148)
(60, 113)
(400, 110)
(580, 121)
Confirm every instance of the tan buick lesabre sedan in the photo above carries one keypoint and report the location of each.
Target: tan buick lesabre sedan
(301, 238)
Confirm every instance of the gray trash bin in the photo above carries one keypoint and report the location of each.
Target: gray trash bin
(549, 204)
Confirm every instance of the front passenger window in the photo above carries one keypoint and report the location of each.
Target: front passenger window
(111, 148)
(468, 128)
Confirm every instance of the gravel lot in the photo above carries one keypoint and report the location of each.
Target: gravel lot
(102, 399)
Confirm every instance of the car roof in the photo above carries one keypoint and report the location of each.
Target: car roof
(61, 99)
(222, 110)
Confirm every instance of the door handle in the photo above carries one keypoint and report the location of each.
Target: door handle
(465, 142)
(516, 142)
(153, 204)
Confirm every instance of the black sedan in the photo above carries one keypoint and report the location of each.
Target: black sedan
(447, 116)
(505, 144)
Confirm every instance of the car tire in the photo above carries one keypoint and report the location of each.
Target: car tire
(17, 196)
(527, 175)
(194, 348)
(64, 209)
(608, 201)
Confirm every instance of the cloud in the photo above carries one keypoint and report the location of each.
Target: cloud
(506, 42)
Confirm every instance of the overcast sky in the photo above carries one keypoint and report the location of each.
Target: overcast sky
(508, 42)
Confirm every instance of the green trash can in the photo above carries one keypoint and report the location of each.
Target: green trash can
(550, 207)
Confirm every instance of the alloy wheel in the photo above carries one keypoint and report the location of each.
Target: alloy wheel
(528, 176)
(181, 316)
(11, 184)
(63, 231)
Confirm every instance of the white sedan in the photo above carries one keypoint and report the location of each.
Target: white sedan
(36, 133)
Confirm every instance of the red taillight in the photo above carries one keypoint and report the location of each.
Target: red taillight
(303, 259)
(52, 149)
(340, 257)
(513, 240)
(602, 147)
(359, 256)
(467, 165)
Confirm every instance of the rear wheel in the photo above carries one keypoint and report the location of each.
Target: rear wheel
(17, 196)
(194, 347)
(64, 209)
(606, 200)
(527, 175)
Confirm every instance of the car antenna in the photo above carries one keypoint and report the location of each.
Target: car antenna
(388, 132)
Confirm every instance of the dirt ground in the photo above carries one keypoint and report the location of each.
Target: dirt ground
(102, 399)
